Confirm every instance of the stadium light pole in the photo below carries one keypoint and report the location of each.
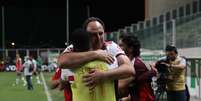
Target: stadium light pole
(3, 32)
(164, 34)
(67, 22)
(173, 32)
(88, 10)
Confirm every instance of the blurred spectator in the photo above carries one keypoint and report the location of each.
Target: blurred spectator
(28, 71)
(39, 63)
(2, 65)
(35, 70)
(176, 66)
(52, 66)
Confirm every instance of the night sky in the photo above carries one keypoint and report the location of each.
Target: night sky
(42, 23)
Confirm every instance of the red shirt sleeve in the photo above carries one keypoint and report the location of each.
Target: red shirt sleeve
(57, 74)
(142, 73)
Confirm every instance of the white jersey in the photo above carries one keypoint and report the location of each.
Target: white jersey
(113, 49)
(65, 73)
(27, 65)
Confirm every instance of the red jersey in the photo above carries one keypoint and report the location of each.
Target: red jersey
(18, 64)
(67, 92)
(142, 90)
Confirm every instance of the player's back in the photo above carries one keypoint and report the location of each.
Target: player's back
(27, 65)
(104, 91)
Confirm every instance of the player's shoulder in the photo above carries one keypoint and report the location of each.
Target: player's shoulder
(34, 61)
(110, 43)
(181, 58)
(29, 62)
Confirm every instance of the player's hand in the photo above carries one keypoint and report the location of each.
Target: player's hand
(153, 68)
(64, 84)
(168, 65)
(170, 77)
(93, 78)
(104, 56)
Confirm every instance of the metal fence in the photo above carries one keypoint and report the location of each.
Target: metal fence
(180, 27)
(193, 78)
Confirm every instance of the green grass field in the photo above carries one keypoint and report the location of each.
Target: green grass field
(11, 92)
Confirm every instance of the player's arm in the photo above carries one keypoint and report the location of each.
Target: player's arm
(21, 65)
(125, 67)
(20, 62)
(124, 70)
(55, 80)
(35, 67)
(73, 59)
(181, 65)
(54, 83)
(128, 98)
(123, 85)
(145, 77)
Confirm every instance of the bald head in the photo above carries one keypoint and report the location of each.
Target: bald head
(94, 26)
(93, 19)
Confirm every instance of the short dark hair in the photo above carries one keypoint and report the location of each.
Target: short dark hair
(90, 19)
(124, 34)
(121, 36)
(132, 42)
(80, 40)
(171, 48)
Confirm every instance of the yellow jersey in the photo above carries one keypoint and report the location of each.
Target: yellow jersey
(104, 91)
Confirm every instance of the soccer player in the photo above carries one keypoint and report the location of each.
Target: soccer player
(104, 90)
(19, 68)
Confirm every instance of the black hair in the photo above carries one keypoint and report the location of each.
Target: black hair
(124, 34)
(171, 48)
(80, 40)
(91, 19)
(132, 42)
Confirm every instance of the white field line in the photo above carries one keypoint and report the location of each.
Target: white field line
(49, 98)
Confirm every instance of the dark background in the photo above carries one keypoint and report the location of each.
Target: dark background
(42, 23)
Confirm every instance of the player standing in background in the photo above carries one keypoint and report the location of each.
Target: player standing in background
(35, 69)
(19, 68)
(28, 71)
